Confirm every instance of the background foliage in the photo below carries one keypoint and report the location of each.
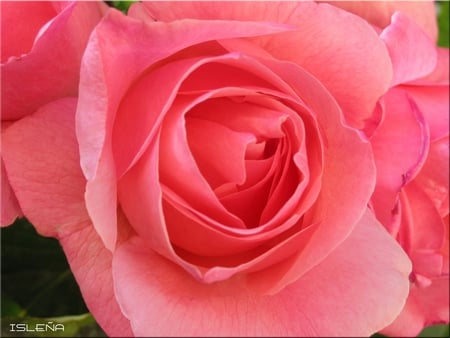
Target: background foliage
(37, 285)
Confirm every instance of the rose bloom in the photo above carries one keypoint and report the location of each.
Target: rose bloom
(42, 45)
(411, 147)
(228, 157)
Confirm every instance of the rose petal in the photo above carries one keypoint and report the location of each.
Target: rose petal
(90, 263)
(23, 21)
(412, 52)
(10, 206)
(147, 284)
(64, 40)
(400, 145)
(221, 158)
(434, 178)
(422, 231)
(425, 306)
(40, 154)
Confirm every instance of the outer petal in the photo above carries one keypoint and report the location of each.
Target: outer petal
(379, 13)
(400, 147)
(90, 262)
(321, 303)
(42, 164)
(41, 158)
(51, 69)
(425, 306)
(337, 53)
(432, 96)
(412, 52)
(10, 206)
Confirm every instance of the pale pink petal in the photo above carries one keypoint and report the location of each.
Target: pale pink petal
(400, 145)
(412, 52)
(379, 13)
(40, 154)
(10, 206)
(55, 57)
(425, 307)
(160, 299)
(90, 263)
(337, 53)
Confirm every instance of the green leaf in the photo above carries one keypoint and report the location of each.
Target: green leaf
(436, 331)
(121, 5)
(443, 23)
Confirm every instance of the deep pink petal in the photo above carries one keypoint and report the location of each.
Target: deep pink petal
(90, 263)
(412, 52)
(336, 53)
(51, 69)
(379, 13)
(311, 306)
(40, 154)
(21, 22)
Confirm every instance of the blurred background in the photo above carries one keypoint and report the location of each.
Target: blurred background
(37, 285)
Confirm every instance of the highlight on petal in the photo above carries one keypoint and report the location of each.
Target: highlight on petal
(147, 283)
(40, 153)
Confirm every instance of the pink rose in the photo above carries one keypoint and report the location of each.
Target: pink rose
(412, 191)
(221, 190)
(411, 146)
(42, 45)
